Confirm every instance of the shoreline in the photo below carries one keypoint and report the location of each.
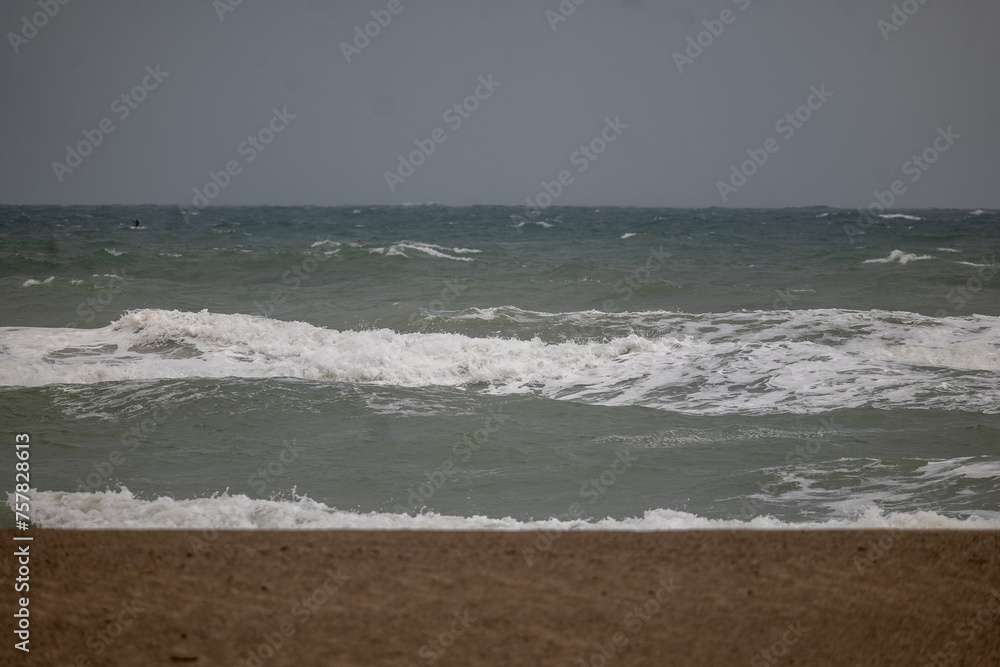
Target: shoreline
(760, 597)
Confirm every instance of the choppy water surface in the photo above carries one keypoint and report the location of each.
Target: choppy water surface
(435, 367)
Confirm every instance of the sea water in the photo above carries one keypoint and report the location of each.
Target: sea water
(431, 367)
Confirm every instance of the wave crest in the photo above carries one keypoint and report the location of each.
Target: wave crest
(898, 256)
(122, 510)
(766, 362)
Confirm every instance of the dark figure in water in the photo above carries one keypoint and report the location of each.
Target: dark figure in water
(136, 221)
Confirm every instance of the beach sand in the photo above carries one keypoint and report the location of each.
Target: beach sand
(444, 598)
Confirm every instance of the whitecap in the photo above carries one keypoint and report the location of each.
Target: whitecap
(797, 361)
(898, 256)
(399, 249)
(31, 282)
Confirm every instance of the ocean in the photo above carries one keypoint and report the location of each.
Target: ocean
(433, 367)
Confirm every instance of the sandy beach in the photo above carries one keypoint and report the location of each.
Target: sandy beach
(422, 598)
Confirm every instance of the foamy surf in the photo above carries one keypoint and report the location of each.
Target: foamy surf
(154, 344)
(112, 510)
(745, 369)
(748, 363)
(848, 485)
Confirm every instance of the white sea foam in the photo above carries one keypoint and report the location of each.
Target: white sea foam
(122, 510)
(627, 235)
(968, 356)
(399, 249)
(948, 250)
(116, 253)
(715, 363)
(898, 256)
(847, 487)
(248, 346)
(903, 216)
(31, 282)
(959, 468)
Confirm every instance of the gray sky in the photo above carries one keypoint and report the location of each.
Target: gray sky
(222, 78)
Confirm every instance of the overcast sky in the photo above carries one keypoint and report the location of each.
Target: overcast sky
(675, 118)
